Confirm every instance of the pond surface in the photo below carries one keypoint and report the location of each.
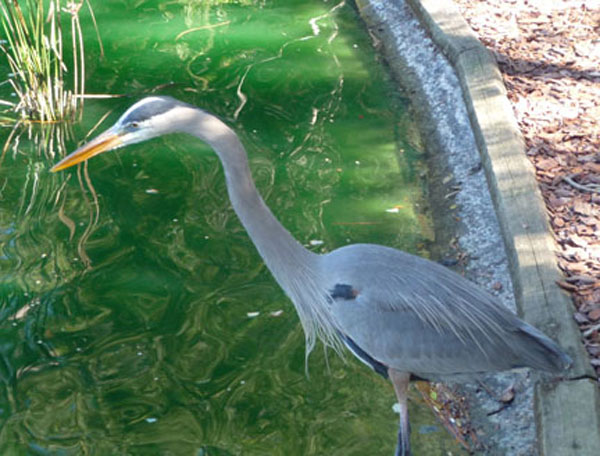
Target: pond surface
(135, 315)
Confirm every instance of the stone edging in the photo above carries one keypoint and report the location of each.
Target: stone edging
(567, 412)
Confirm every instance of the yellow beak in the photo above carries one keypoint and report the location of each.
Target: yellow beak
(106, 141)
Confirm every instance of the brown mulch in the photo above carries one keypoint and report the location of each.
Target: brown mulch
(549, 54)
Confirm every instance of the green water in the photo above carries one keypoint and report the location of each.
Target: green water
(136, 316)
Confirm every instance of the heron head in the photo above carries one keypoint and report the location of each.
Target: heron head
(146, 119)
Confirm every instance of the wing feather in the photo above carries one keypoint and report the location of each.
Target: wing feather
(415, 314)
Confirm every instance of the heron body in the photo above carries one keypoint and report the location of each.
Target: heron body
(400, 314)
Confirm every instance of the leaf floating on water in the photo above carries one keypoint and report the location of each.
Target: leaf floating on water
(395, 209)
(253, 314)
(151, 191)
(447, 179)
(314, 242)
(276, 313)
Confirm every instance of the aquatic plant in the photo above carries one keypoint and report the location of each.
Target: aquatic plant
(35, 51)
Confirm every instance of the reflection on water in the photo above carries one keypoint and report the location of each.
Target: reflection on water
(136, 316)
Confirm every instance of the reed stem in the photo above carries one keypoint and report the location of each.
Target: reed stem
(35, 54)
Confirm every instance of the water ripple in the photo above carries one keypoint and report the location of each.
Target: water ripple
(136, 316)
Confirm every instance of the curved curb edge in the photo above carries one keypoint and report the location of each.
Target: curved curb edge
(568, 411)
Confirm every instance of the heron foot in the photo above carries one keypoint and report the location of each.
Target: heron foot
(400, 381)
(403, 448)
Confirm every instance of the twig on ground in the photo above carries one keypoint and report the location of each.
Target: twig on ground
(586, 188)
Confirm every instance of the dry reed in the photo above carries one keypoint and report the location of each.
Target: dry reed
(34, 49)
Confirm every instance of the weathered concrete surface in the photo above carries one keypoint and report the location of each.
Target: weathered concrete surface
(469, 216)
(573, 431)
(567, 412)
(511, 179)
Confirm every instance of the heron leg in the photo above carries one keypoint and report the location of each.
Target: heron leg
(400, 380)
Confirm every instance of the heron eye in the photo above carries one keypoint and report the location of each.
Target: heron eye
(134, 125)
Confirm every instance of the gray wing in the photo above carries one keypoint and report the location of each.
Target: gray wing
(417, 316)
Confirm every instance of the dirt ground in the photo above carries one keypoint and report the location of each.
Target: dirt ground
(549, 54)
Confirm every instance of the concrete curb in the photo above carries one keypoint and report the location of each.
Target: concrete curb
(567, 412)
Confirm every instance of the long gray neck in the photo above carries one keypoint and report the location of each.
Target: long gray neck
(296, 269)
(275, 244)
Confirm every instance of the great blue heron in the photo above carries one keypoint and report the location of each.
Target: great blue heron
(402, 315)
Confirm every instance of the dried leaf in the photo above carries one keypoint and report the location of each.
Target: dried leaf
(508, 395)
(594, 315)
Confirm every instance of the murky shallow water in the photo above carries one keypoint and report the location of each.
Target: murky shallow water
(136, 316)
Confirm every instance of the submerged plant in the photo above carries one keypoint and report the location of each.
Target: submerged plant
(34, 49)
